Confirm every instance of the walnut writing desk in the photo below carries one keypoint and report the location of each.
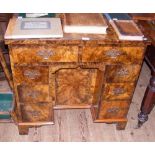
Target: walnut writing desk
(99, 73)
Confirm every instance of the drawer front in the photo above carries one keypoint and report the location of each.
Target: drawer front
(36, 113)
(123, 55)
(113, 110)
(119, 91)
(122, 73)
(35, 54)
(31, 75)
(37, 93)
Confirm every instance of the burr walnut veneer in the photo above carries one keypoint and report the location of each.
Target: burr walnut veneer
(77, 71)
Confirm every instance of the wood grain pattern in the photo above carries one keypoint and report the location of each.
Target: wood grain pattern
(37, 93)
(36, 113)
(92, 23)
(31, 75)
(122, 73)
(127, 28)
(113, 109)
(115, 55)
(75, 86)
(84, 19)
(54, 67)
(119, 91)
(35, 54)
(98, 69)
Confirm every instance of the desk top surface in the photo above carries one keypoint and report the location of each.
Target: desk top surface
(110, 37)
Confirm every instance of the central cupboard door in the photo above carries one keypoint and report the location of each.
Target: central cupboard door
(77, 87)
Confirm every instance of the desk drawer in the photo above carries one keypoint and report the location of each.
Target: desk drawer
(113, 110)
(119, 91)
(36, 113)
(31, 75)
(123, 55)
(37, 93)
(36, 54)
(122, 73)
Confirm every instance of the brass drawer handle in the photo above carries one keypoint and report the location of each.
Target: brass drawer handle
(33, 94)
(32, 74)
(45, 54)
(123, 72)
(113, 53)
(118, 91)
(34, 114)
(42, 104)
(113, 110)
